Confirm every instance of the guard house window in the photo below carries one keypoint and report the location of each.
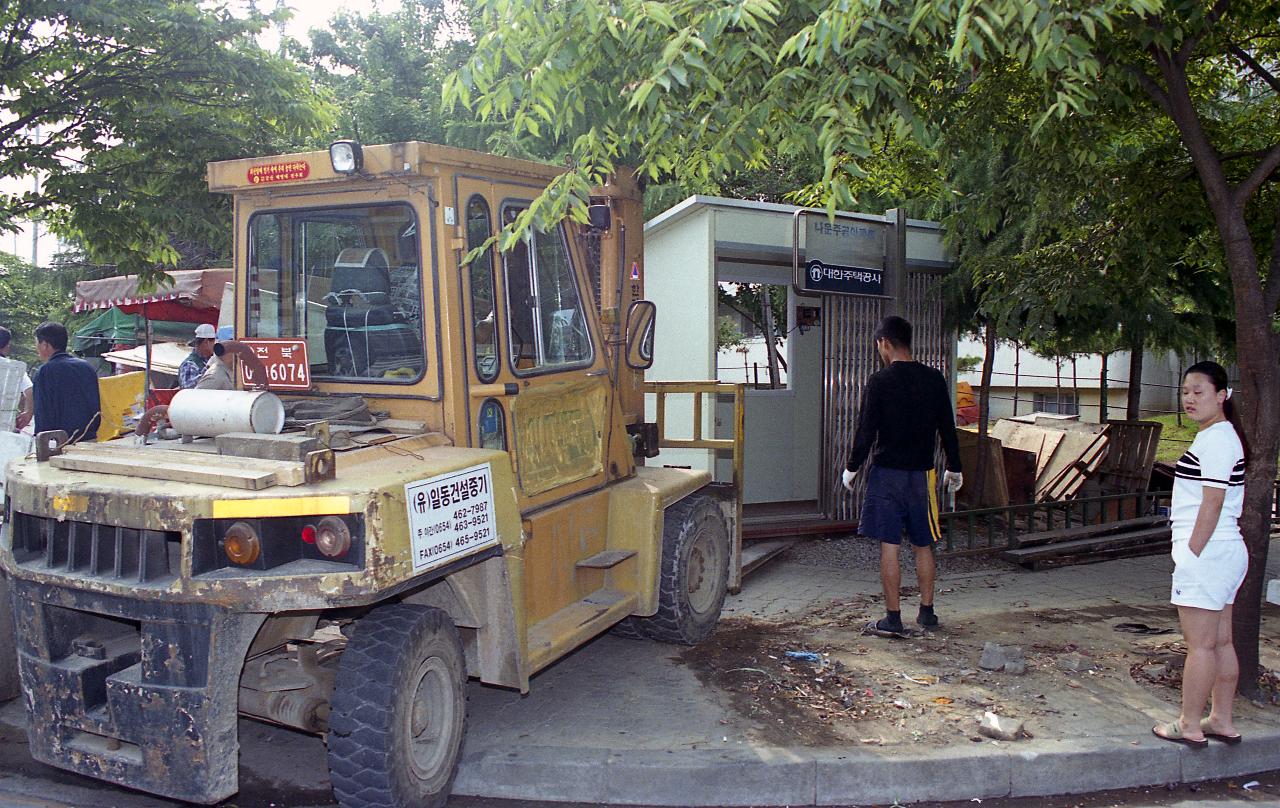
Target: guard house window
(547, 327)
(346, 280)
(1059, 403)
(484, 335)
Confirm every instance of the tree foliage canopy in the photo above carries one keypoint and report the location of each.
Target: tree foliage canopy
(118, 106)
(384, 72)
(1064, 92)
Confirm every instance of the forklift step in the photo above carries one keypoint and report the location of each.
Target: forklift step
(605, 560)
(554, 635)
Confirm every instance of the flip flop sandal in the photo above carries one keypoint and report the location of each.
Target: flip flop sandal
(1229, 740)
(879, 632)
(1172, 732)
(1141, 628)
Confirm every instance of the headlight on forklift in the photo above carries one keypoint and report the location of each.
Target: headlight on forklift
(241, 544)
(346, 156)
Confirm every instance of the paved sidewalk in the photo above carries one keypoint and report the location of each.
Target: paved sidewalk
(628, 722)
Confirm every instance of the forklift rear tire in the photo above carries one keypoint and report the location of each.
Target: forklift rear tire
(398, 710)
(693, 578)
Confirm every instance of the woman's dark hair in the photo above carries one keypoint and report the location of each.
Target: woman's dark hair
(1217, 374)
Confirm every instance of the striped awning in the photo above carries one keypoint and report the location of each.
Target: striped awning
(195, 288)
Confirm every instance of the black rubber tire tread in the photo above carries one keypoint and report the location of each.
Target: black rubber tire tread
(365, 763)
(675, 622)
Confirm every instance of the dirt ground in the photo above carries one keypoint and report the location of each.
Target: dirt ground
(929, 689)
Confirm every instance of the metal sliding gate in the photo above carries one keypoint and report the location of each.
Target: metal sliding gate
(849, 358)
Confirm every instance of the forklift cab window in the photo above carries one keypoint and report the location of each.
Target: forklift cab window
(484, 335)
(347, 281)
(547, 326)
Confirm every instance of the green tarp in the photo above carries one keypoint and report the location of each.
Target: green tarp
(114, 327)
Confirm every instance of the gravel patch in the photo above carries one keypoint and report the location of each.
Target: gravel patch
(857, 552)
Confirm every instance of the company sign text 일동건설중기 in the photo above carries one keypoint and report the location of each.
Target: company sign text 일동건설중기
(450, 515)
(843, 256)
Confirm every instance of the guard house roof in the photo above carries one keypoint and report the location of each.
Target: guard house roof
(925, 250)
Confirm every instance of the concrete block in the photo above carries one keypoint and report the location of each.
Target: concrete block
(534, 773)
(1273, 590)
(707, 777)
(1091, 764)
(294, 448)
(862, 777)
(1257, 753)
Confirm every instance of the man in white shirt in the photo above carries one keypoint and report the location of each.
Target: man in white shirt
(25, 407)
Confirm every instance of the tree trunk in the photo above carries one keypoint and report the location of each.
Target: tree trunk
(1075, 388)
(984, 412)
(1057, 385)
(768, 340)
(1258, 356)
(1102, 387)
(1017, 364)
(1257, 344)
(1134, 411)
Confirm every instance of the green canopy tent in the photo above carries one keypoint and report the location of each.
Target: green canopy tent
(114, 327)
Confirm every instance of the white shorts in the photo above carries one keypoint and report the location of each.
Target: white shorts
(1210, 580)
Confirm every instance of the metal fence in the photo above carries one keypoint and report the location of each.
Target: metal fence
(994, 530)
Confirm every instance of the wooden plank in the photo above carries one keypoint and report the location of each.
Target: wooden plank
(160, 470)
(1095, 543)
(1084, 531)
(1160, 547)
(286, 472)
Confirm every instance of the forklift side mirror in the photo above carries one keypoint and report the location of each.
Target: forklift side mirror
(641, 317)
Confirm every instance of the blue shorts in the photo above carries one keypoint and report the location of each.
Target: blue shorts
(900, 500)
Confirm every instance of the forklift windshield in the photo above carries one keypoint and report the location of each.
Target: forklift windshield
(348, 281)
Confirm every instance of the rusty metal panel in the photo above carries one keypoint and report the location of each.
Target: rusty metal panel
(559, 433)
(849, 358)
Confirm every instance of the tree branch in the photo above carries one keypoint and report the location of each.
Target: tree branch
(1260, 71)
(1192, 42)
(1153, 88)
(1264, 169)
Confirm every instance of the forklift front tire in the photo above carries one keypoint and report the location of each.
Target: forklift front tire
(398, 710)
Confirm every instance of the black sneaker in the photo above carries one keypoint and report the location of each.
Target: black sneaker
(927, 619)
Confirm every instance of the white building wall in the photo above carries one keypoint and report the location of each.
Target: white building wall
(1161, 376)
(684, 346)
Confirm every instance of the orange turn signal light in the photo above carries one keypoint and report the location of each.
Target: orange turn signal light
(241, 544)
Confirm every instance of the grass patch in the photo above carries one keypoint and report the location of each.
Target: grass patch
(1174, 439)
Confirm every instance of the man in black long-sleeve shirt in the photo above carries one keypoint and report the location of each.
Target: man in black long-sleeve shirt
(906, 406)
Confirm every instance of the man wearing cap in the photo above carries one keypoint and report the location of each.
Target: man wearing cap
(193, 366)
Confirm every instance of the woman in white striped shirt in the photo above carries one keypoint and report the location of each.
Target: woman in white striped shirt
(1210, 559)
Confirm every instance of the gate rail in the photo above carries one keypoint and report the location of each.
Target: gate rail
(734, 444)
(994, 530)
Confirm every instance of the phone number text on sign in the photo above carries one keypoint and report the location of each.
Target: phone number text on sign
(450, 516)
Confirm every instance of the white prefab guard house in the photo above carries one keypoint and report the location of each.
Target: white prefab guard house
(797, 437)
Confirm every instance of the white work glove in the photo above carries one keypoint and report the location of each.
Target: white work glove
(952, 480)
(847, 478)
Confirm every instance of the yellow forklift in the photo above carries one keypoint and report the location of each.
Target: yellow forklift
(457, 488)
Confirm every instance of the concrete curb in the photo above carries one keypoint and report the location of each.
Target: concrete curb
(746, 776)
